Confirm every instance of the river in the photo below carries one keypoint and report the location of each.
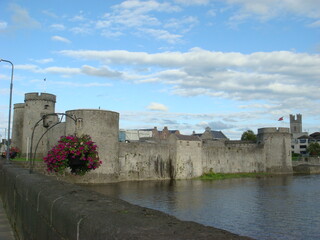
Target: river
(279, 208)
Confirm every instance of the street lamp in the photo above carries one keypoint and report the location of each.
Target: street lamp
(10, 103)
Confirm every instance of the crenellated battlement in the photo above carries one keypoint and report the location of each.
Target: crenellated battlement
(40, 97)
(18, 105)
(273, 130)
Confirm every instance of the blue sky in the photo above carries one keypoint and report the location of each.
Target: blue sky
(231, 65)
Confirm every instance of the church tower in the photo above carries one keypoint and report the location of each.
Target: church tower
(296, 123)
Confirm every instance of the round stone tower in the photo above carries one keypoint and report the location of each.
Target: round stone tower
(17, 125)
(36, 105)
(277, 149)
(103, 127)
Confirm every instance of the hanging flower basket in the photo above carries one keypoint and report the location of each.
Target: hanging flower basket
(13, 153)
(77, 153)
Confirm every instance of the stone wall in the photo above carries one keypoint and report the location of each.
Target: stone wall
(40, 207)
(103, 127)
(277, 147)
(17, 125)
(232, 157)
(187, 159)
(143, 161)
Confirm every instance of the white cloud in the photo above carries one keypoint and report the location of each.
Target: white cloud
(184, 24)
(146, 6)
(111, 34)
(83, 29)
(133, 14)
(315, 24)
(216, 125)
(75, 84)
(157, 107)
(60, 39)
(66, 71)
(3, 25)
(267, 9)
(28, 67)
(270, 76)
(22, 19)
(192, 2)
(78, 18)
(100, 72)
(43, 61)
(103, 24)
(50, 14)
(162, 35)
(59, 27)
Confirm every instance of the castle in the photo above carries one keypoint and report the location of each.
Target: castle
(175, 157)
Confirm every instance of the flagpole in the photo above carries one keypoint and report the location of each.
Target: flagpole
(44, 85)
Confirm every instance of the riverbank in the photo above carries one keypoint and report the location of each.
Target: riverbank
(222, 176)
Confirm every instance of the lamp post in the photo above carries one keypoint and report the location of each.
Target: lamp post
(10, 103)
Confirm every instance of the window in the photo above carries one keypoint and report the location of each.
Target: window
(46, 106)
(303, 146)
(79, 123)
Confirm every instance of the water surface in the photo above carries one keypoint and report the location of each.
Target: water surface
(284, 207)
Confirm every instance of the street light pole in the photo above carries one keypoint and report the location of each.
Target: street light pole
(10, 103)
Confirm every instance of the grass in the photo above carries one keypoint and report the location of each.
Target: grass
(20, 159)
(221, 176)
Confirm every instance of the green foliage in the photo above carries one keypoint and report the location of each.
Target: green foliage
(221, 176)
(295, 156)
(314, 149)
(20, 159)
(248, 136)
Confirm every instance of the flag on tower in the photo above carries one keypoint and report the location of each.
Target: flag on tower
(280, 119)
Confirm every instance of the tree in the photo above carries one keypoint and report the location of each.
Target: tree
(314, 149)
(248, 136)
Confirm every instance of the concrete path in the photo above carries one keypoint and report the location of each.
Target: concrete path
(6, 232)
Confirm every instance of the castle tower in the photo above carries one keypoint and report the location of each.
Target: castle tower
(17, 125)
(103, 127)
(296, 123)
(277, 149)
(36, 105)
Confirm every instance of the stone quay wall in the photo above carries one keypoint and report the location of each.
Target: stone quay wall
(40, 207)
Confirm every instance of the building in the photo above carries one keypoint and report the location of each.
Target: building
(300, 140)
(211, 135)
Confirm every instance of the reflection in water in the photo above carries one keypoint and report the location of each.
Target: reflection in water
(285, 207)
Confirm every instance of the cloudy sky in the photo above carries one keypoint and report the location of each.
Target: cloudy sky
(232, 65)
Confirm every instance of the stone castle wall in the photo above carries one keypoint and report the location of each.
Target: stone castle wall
(233, 157)
(187, 161)
(143, 161)
(176, 158)
(277, 147)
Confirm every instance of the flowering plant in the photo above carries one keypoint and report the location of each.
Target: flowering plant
(71, 149)
(14, 151)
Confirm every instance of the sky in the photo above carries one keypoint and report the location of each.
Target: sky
(230, 65)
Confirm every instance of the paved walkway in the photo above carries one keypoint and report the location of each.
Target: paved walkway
(6, 232)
